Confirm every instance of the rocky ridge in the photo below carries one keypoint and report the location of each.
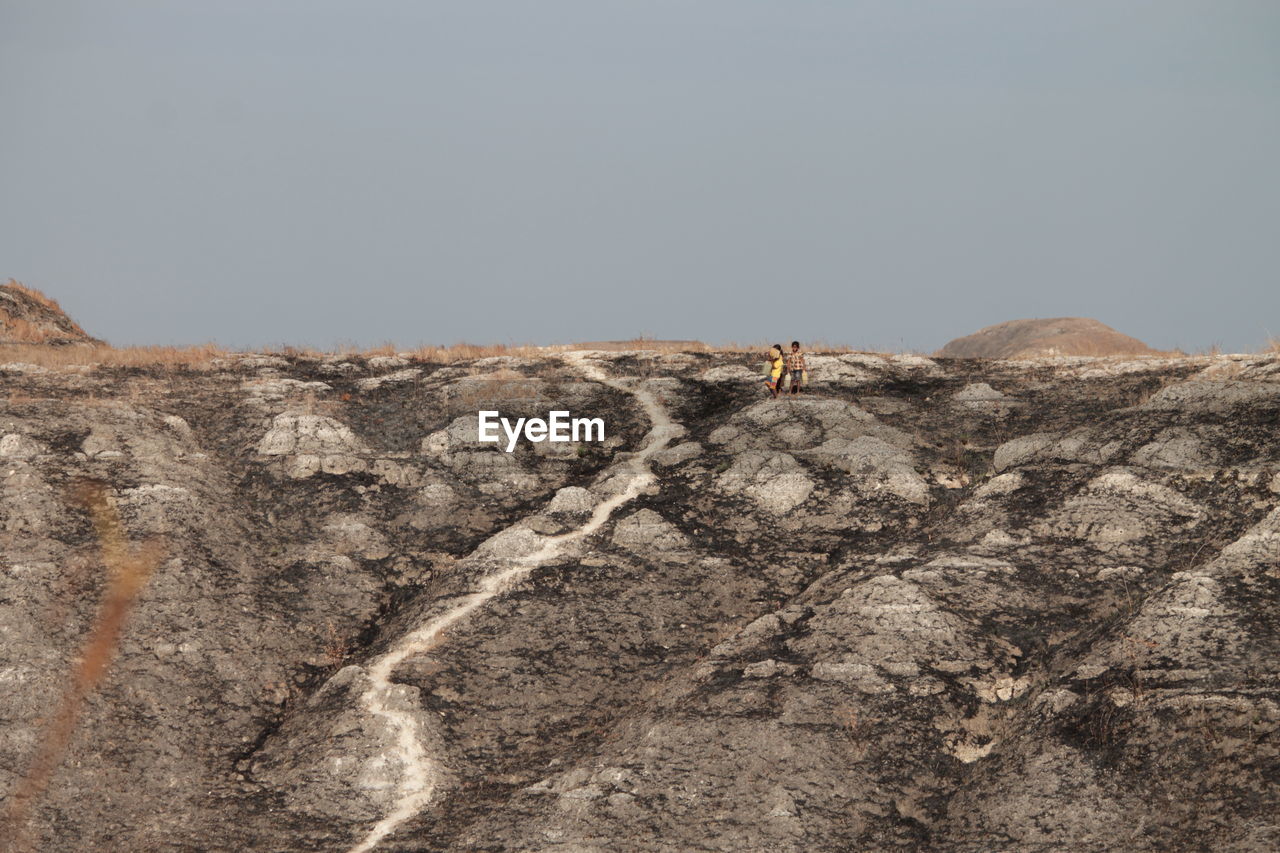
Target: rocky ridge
(937, 604)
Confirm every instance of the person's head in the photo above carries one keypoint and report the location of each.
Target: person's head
(795, 346)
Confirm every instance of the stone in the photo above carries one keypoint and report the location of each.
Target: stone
(646, 531)
(774, 481)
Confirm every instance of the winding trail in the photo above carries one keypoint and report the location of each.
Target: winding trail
(421, 776)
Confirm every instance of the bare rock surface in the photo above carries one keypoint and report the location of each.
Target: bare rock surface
(930, 605)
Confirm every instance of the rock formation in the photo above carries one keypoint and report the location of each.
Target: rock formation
(29, 317)
(933, 605)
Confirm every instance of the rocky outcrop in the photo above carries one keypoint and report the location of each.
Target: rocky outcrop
(940, 605)
(27, 316)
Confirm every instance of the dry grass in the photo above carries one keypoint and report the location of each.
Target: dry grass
(438, 354)
(296, 352)
(808, 347)
(18, 329)
(203, 357)
(130, 567)
(86, 355)
(469, 352)
(641, 343)
(34, 294)
(334, 647)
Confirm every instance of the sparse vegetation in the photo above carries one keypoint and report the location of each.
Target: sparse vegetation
(206, 356)
(1144, 392)
(467, 352)
(642, 342)
(19, 329)
(336, 648)
(84, 355)
(34, 294)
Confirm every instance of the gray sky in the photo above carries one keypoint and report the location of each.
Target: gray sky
(888, 174)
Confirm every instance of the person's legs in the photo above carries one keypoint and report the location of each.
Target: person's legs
(797, 376)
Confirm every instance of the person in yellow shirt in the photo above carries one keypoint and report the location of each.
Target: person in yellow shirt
(776, 365)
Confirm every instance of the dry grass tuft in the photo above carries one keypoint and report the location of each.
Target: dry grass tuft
(335, 647)
(130, 568)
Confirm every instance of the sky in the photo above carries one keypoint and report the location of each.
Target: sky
(886, 174)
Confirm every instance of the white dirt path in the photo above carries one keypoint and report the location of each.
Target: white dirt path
(421, 775)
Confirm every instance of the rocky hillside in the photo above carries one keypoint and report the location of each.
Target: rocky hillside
(27, 316)
(934, 604)
(1069, 336)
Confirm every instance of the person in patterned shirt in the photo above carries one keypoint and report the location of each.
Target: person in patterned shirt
(796, 367)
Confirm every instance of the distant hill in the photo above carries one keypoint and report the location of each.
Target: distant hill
(1034, 338)
(27, 316)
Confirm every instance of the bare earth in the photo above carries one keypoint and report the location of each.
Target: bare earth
(932, 605)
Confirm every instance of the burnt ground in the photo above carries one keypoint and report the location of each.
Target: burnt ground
(931, 604)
